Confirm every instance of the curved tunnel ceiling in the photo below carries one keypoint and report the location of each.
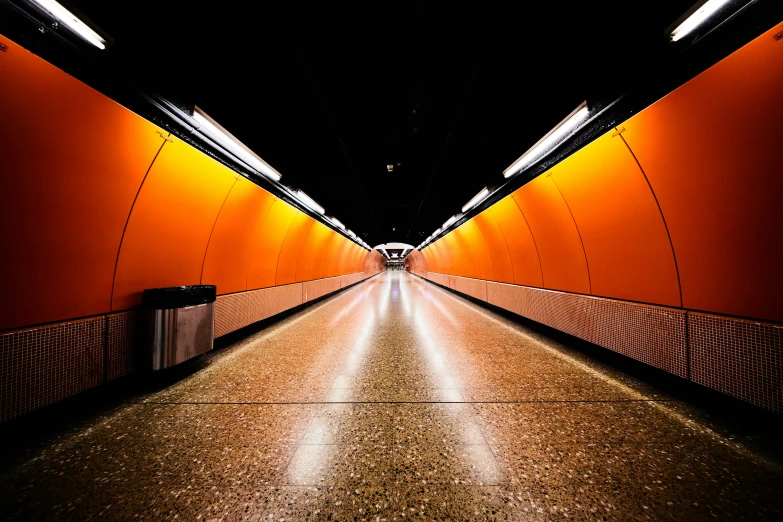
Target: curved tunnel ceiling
(392, 119)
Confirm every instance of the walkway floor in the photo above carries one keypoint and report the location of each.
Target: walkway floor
(395, 400)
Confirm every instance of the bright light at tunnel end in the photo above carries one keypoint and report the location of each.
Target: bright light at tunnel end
(553, 138)
(697, 18)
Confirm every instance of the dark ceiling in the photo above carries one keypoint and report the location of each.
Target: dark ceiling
(330, 95)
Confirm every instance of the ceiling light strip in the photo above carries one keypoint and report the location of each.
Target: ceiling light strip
(551, 141)
(310, 202)
(72, 22)
(698, 17)
(478, 198)
(212, 129)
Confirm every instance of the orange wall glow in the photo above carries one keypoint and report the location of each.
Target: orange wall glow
(97, 204)
(678, 206)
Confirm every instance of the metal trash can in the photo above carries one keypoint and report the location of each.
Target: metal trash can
(180, 322)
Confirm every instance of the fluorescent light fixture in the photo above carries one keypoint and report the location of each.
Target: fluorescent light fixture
(337, 222)
(697, 18)
(476, 199)
(350, 233)
(307, 200)
(449, 221)
(73, 23)
(555, 137)
(212, 129)
(438, 231)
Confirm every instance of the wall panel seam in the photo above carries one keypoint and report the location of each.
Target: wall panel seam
(127, 221)
(475, 252)
(206, 250)
(280, 251)
(505, 242)
(578, 233)
(487, 245)
(533, 237)
(253, 246)
(660, 210)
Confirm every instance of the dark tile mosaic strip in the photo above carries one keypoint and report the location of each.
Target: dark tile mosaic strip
(122, 346)
(741, 358)
(43, 365)
(738, 357)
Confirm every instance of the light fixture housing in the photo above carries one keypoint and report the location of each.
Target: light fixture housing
(350, 233)
(699, 15)
(229, 142)
(337, 222)
(562, 131)
(310, 202)
(475, 200)
(448, 222)
(71, 21)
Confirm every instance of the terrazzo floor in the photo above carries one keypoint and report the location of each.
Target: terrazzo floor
(395, 400)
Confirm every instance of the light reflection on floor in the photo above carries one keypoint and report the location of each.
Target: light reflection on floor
(395, 400)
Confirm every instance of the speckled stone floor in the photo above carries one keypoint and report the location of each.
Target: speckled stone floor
(394, 400)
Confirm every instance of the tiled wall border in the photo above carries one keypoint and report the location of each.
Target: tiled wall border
(46, 364)
(43, 365)
(741, 358)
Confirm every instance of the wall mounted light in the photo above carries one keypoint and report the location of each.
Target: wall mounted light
(337, 222)
(448, 222)
(307, 200)
(478, 198)
(212, 129)
(72, 22)
(551, 141)
(698, 17)
(350, 233)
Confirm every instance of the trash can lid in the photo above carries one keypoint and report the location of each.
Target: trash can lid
(178, 296)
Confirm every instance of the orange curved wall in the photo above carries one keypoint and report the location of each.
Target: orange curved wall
(556, 236)
(619, 222)
(169, 226)
(502, 269)
(724, 216)
(678, 206)
(520, 244)
(231, 242)
(97, 204)
(72, 162)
